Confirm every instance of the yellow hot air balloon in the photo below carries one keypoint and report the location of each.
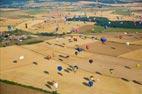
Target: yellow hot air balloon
(138, 65)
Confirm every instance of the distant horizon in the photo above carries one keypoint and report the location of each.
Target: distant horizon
(20, 3)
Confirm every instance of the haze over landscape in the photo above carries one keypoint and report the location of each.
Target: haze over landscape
(13, 3)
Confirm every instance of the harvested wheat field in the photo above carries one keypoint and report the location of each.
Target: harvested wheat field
(39, 74)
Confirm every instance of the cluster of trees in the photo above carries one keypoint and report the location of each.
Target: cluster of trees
(102, 21)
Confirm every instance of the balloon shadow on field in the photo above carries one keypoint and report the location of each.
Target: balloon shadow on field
(84, 83)
(98, 73)
(136, 82)
(69, 69)
(66, 70)
(50, 83)
(46, 72)
(124, 79)
(48, 86)
(60, 74)
(35, 63)
(86, 78)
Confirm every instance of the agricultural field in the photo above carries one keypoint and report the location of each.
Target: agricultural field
(79, 48)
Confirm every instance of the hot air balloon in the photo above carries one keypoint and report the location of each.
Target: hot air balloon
(55, 85)
(91, 78)
(103, 40)
(90, 61)
(75, 68)
(59, 68)
(76, 53)
(90, 83)
(87, 47)
(79, 49)
(138, 65)
(21, 57)
(125, 33)
(26, 25)
(127, 43)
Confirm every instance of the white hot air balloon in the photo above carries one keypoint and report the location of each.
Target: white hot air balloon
(21, 57)
(127, 43)
(55, 84)
(125, 33)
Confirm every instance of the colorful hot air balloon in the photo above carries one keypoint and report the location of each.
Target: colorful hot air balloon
(103, 39)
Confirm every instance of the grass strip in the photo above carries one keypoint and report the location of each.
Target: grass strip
(26, 86)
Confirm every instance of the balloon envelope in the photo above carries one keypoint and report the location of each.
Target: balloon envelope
(90, 61)
(79, 49)
(59, 68)
(127, 43)
(21, 57)
(90, 83)
(103, 39)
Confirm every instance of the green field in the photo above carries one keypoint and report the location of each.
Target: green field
(15, 14)
(122, 11)
(28, 87)
(35, 11)
(28, 40)
(99, 29)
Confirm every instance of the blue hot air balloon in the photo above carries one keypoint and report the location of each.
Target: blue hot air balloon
(103, 39)
(90, 83)
(79, 49)
(59, 68)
